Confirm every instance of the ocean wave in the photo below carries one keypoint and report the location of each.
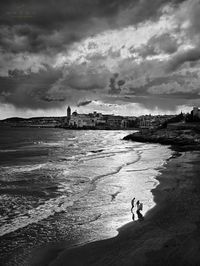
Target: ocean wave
(73, 138)
(46, 143)
(24, 168)
(40, 213)
(7, 150)
(106, 154)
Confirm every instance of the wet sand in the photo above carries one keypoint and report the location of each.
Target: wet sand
(169, 234)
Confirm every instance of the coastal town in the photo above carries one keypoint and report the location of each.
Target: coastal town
(95, 120)
(181, 130)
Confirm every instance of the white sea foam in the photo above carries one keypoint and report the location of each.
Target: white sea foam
(74, 138)
(35, 215)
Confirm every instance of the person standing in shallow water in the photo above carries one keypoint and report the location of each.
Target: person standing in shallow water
(132, 206)
(139, 206)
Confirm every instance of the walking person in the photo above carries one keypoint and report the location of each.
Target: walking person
(132, 206)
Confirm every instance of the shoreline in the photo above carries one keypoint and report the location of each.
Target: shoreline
(167, 236)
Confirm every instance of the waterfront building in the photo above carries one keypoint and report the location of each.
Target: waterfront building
(129, 122)
(113, 121)
(81, 120)
(196, 112)
(124, 123)
(98, 121)
(145, 121)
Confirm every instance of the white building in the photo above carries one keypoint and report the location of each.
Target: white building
(145, 121)
(81, 120)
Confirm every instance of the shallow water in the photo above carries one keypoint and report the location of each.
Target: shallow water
(69, 185)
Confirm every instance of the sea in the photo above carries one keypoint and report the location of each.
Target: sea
(70, 186)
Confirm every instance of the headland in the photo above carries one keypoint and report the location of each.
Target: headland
(181, 137)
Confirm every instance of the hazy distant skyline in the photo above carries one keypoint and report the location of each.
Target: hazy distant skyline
(126, 57)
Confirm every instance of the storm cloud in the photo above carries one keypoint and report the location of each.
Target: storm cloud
(73, 52)
(84, 103)
(164, 43)
(30, 90)
(42, 25)
(191, 55)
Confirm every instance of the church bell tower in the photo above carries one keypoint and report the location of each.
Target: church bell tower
(68, 113)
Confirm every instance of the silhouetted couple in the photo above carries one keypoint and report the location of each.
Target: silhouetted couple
(139, 207)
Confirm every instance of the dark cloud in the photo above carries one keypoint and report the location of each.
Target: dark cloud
(172, 86)
(84, 103)
(165, 104)
(114, 86)
(182, 57)
(53, 14)
(50, 27)
(39, 25)
(51, 87)
(121, 82)
(164, 43)
(31, 90)
(86, 77)
(149, 102)
(48, 98)
(188, 15)
(188, 26)
(53, 24)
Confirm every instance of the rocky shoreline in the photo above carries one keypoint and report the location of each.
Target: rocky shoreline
(179, 139)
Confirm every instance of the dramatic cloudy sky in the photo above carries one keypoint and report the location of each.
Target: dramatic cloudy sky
(125, 57)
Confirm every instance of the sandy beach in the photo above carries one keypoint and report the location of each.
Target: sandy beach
(169, 234)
